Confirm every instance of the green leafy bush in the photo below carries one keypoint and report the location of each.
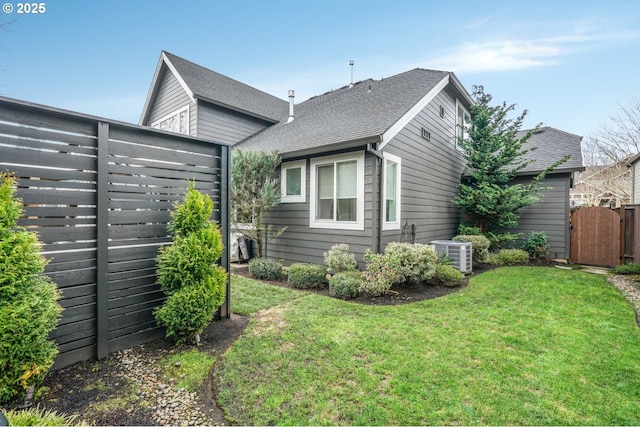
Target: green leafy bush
(340, 259)
(502, 240)
(266, 269)
(469, 230)
(508, 257)
(305, 276)
(448, 275)
(400, 262)
(479, 246)
(187, 270)
(346, 284)
(29, 308)
(630, 268)
(537, 245)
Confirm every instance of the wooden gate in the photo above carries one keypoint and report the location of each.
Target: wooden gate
(595, 236)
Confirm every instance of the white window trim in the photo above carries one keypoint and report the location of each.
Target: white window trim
(175, 113)
(465, 132)
(334, 224)
(391, 225)
(284, 198)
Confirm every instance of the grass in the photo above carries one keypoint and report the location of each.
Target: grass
(519, 345)
(250, 296)
(188, 368)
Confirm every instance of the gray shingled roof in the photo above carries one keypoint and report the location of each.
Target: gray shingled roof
(363, 111)
(553, 144)
(221, 90)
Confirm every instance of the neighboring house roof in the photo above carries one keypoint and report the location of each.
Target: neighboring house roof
(367, 111)
(552, 145)
(207, 85)
(633, 160)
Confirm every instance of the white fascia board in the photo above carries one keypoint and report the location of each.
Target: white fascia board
(414, 111)
(156, 82)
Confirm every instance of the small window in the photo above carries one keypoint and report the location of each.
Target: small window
(391, 192)
(337, 192)
(463, 121)
(177, 121)
(293, 182)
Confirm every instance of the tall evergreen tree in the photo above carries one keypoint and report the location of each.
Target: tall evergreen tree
(255, 189)
(495, 154)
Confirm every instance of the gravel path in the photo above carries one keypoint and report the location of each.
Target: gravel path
(168, 405)
(631, 292)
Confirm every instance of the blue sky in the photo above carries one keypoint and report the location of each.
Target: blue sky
(571, 64)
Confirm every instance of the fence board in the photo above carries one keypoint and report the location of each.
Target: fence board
(595, 236)
(85, 180)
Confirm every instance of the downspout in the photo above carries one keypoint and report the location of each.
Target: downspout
(377, 222)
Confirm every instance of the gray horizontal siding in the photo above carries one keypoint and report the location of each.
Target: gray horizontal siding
(431, 173)
(223, 125)
(171, 97)
(550, 214)
(300, 243)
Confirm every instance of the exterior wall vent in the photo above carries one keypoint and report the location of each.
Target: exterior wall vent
(426, 134)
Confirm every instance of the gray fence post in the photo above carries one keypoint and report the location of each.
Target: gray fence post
(102, 242)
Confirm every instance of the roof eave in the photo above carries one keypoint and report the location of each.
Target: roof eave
(338, 146)
(155, 83)
(239, 110)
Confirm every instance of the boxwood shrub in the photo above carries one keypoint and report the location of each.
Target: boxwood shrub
(305, 276)
(448, 275)
(340, 259)
(346, 284)
(266, 269)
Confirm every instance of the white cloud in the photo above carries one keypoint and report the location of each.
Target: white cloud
(517, 54)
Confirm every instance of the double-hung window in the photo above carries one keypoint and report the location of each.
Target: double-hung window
(391, 192)
(463, 121)
(293, 182)
(337, 192)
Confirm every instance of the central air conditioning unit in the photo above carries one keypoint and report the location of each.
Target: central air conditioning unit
(459, 253)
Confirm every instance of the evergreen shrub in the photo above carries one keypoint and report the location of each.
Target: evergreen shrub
(448, 275)
(631, 268)
(345, 284)
(188, 272)
(29, 308)
(305, 276)
(479, 246)
(266, 269)
(340, 259)
(537, 245)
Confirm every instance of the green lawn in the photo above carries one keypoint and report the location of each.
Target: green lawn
(519, 345)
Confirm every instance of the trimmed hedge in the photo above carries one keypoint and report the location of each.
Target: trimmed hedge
(346, 284)
(266, 269)
(305, 276)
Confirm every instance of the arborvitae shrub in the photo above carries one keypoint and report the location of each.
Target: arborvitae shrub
(187, 270)
(305, 276)
(29, 310)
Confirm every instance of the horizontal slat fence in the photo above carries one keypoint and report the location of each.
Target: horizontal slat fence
(98, 193)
